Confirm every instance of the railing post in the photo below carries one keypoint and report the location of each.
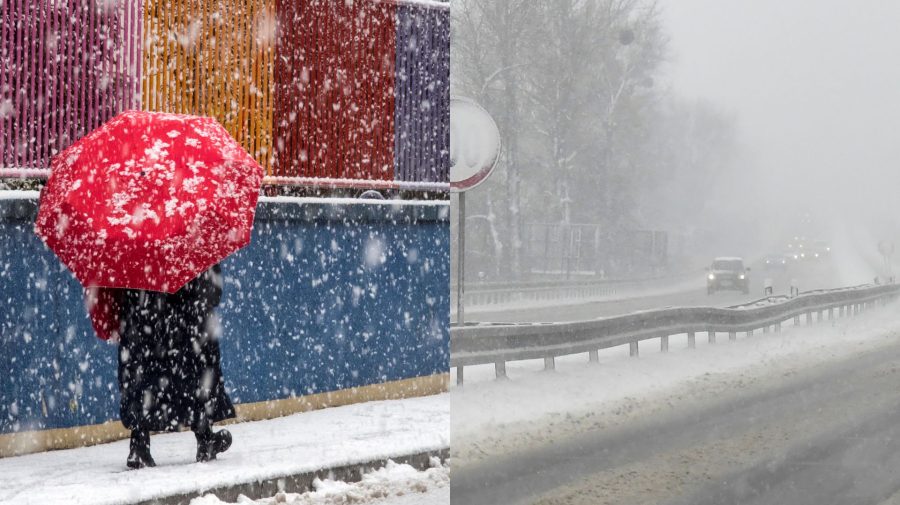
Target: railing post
(664, 343)
(749, 333)
(500, 369)
(459, 375)
(732, 335)
(549, 363)
(633, 349)
(831, 314)
(809, 318)
(712, 336)
(778, 327)
(692, 340)
(766, 329)
(796, 320)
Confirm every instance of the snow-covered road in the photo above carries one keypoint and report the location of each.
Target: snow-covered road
(690, 424)
(262, 450)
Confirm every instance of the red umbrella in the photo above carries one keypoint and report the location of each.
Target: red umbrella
(149, 201)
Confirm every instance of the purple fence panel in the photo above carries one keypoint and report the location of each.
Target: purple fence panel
(422, 87)
(66, 66)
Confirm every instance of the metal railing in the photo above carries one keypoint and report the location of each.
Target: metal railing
(480, 344)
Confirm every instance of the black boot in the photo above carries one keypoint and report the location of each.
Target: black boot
(210, 444)
(139, 455)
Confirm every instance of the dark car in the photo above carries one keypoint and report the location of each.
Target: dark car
(728, 273)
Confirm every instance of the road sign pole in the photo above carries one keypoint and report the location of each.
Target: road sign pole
(461, 261)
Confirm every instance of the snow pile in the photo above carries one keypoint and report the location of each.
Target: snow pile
(380, 486)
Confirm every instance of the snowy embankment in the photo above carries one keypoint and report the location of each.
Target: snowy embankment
(262, 450)
(535, 407)
(393, 484)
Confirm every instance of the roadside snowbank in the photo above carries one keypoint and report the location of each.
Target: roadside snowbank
(393, 484)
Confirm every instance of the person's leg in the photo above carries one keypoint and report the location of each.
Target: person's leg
(139, 455)
(210, 443)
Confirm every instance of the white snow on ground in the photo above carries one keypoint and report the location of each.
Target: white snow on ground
(394, 484)
(531, 398)
(262, 450)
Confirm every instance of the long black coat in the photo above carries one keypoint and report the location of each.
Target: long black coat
(169, 362)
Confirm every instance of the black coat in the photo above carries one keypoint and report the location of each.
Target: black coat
(169, 362)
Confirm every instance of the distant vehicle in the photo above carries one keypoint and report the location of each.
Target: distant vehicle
(776, 262)
(728, 273)
(819, 249)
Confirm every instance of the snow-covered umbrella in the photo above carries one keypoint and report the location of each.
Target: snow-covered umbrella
(149, 201)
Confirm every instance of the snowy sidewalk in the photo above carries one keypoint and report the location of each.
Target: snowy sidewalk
(289, 449)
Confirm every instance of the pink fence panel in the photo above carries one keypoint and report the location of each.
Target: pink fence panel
(66, 66)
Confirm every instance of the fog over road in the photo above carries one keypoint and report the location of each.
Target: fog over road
(826, 434)
(809, 276)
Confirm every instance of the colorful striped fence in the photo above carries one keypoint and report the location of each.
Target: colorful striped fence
(322, 92)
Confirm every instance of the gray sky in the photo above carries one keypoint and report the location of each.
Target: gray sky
(815, 86)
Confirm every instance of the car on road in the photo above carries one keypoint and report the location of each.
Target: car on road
(727, 273)
(776, 262)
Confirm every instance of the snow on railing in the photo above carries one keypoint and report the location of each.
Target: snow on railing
(499, 343)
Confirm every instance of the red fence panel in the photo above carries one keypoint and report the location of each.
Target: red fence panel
(334, 89)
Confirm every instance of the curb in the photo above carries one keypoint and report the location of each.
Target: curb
(301, 482)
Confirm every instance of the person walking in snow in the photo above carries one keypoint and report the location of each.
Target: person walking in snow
(170, 373)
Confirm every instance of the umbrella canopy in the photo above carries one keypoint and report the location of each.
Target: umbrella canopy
(149, 201)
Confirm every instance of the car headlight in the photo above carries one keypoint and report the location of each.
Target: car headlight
(817, 255)
(742, 277)
(711, 277)
(783, 262)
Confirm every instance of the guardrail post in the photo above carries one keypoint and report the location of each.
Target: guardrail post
(796, 320)
(692, 340)
(821, 316)
(664, 343)
(633, 349)
(766, 329)
(593, 356)
(549, 363)
(831, 314)
(459, 376)
(712, 336)
(749, 333)
(843, 311)
(809, 318)
(500, 369)
(777, 327)
(732, 335)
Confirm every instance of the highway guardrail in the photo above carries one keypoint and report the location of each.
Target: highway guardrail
(499, 343)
